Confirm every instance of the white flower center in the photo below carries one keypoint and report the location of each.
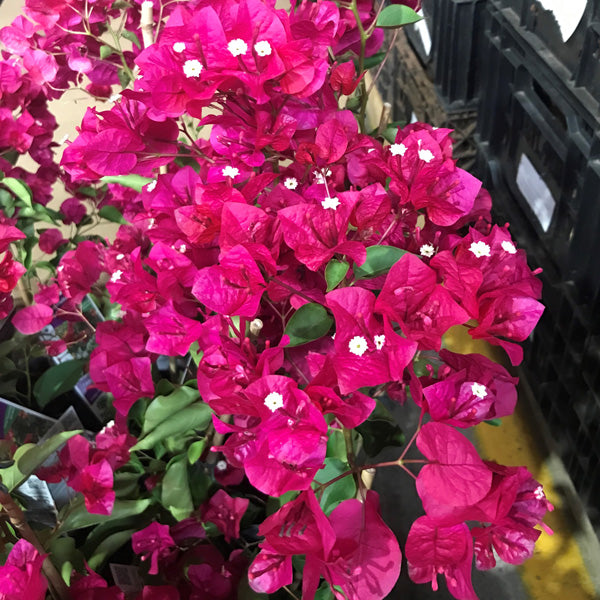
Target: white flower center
(273, 401)
(221, 465)
(230, 171)
(539, 493)
(427, 250)
(332, 203)
(192, 68)
(357, 345)
(178, 47)
(379, 341)
(398, 149)
(320, 175)
(479, 390)
(426, 155)
(120, 256)
(116, 276)
(182, 248)
(237, 47)
(150, 187)
(480, 249)
(262, 48)
(291, 183)
(509, 247)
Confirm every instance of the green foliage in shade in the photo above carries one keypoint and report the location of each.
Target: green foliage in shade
(162, 408)
(195, 450)
(195, 416)
(77, 517)
(379, 261)
(310, 322)
(335, 271)
(380, 431)
(494, 422)
(397, 15)
(108, 547)
(372, 61)
(176, 496)
(57, 380)
(66, 557)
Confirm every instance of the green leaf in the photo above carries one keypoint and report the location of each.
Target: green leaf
(57, 380)
(20, 189)
(176, 495)
(112, 214)
(494, 422)
(310, 322)
(12, 477)
(342, 489)
(390, 134)
(195, 451)
(196, 416)
(379, 260)
(372, 61)
(335, 271)
(124, 78)
(104, 530)
(336, 445)
(35, 456)
(78, 517)
(65, 556)
(88, 190)
(129, 35)
(397, 15)
(105, 51)
(163, 407)
(379, 433)
(108, 547)
(324, 592)
(196, 353)
(133, 181)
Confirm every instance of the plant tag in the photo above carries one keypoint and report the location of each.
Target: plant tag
(127, 578)
(568, 14)
(535, 191)
(422, 29)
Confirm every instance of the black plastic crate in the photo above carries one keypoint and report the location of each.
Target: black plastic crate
(562, 38)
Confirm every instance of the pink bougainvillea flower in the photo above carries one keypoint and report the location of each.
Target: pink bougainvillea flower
(432, 550)
(455, 473)
(78, 270)
(153, 542)
(424, 309)
(32, 319)
(21, 575)
(51, 240)
(8, 235)
(95, 482)
(159, 592)
(10, 273)
(234, 287)
(226, 513)
(367, 350)
(93, 587)
(170, 332)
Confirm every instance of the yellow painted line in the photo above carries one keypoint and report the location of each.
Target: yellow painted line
(557, 570)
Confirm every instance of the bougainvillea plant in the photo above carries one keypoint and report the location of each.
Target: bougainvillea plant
(298, 273)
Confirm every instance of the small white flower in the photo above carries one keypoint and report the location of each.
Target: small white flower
(539, 493)
(509, 247)
(332, 203)
(427, 250)
(150, 186)
(291, 183)
(379, 341)
(479, 390)
(192, 68)
(120, 256)
(221, 465)
(237, 47)
(479, 249)
(320, 175)
(116, 276)
(357, 345)
(262, 48)
(147, 4)
(230, 171)
(178, 47)
(426, 155)
(182, 248)
(60, 268)
(398, 149)
(151, 222)
(273, 401)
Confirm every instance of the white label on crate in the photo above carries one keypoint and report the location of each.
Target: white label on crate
(567, 13)
(422, 29)
(414, 118)
(535, 191)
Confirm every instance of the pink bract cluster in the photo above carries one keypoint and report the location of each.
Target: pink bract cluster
(287, 212)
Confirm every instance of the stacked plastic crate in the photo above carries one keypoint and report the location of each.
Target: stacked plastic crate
(539, 154)
(433, 72)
